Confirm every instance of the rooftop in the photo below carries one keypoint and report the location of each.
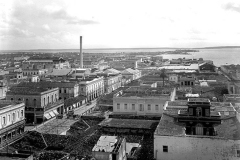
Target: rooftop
(7, 103)
(228, 129)
(127, 123)
(27, 90)
(106, 144)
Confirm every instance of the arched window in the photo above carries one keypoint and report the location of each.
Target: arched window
(199, 111)
(13, 117)
(19, 99)
(11, 99)
(34, 102)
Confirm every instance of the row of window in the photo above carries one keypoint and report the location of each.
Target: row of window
(4, 118)
(141, 107)
(35, 101)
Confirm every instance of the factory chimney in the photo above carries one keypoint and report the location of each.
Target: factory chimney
(81, 54)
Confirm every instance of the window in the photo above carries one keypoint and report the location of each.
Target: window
(65, 91)
(4, 120)
(125, 106)
(141, 107)
(21, 113)
(44, 101)
(149, 107)
(156, 107)
(26, 102)
(118, 106)
(18, 114)
(165, 148)
(34, 102)
(11, 99)
(207, 112)
(60, 90)
(13, 117)
(199, 111)
(19, 99)
(48, 100)
(9, 118)
(190, 111)
(238, 153)
(133, 106)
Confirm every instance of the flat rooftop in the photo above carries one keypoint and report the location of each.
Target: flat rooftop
(56, 126)
(127, 123)
(228, 129)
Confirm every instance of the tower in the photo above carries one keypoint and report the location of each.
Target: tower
(81, 54)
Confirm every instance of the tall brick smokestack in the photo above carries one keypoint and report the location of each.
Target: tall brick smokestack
(81, 54)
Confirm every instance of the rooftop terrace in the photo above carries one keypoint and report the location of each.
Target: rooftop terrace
(228, 129)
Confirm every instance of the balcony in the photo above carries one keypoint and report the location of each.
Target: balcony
(11, 126)
(53, 105)
(184, 113)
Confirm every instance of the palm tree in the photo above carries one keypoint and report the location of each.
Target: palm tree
(163, 75)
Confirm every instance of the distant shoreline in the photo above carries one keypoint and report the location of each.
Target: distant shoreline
(38, 50)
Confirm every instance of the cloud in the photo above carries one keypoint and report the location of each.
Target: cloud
(16, 32)
(62, 14)
(232, 6)
(46, 27)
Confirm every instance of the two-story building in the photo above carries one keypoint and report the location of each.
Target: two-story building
(12, 121)
(91, 87)
(142, 101)
(111, 81)
(41, 103)
(131, 74)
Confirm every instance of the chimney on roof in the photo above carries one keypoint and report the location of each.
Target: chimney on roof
(81, 54)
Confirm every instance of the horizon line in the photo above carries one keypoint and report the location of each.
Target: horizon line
(129, 48)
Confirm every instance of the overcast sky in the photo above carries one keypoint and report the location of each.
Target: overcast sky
(57, 24)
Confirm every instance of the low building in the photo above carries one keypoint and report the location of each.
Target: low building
(110, 148)
(207, 67)
(31, 72)
(142, 101)
(60, 74)
(91, 87)
(12, 121)
(197, 133)
(41, 103)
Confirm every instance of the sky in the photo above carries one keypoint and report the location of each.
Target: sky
(57, 24)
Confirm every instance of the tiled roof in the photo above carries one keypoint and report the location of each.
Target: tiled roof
(48, 84)
(26, 90)
(127, 123)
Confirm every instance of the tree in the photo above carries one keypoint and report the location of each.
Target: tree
(163, 75)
